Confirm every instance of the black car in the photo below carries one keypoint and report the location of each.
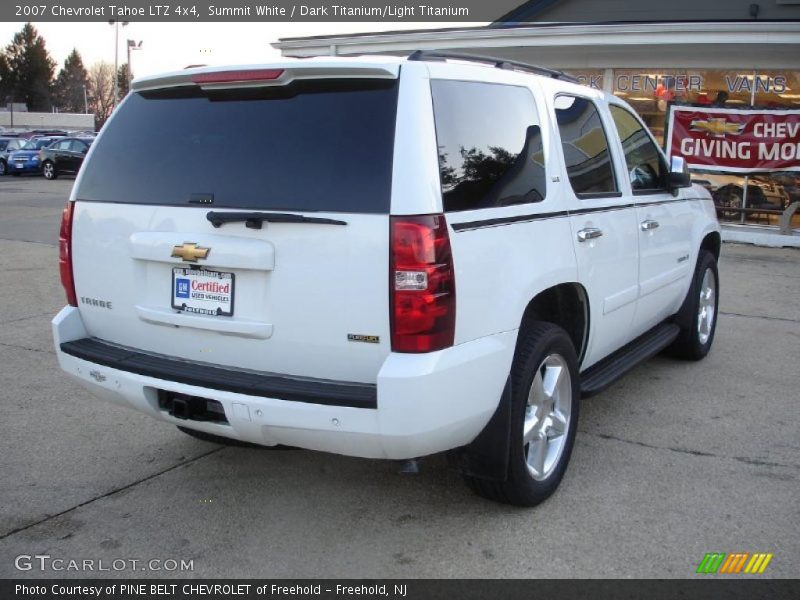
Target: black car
(65, 156)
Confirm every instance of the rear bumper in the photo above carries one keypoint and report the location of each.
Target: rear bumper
(426, 403)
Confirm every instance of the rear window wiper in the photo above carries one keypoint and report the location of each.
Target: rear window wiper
(254, 220)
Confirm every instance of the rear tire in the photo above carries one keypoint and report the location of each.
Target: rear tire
(544, 417)
(223, 441)
(698, 315)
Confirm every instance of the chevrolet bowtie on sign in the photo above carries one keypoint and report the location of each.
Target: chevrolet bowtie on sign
(734, 140)
(190, 252)
(717, 127)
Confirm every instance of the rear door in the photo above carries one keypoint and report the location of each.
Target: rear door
(244, 222)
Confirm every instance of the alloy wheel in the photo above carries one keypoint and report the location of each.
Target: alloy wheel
(547, 416)
(707, 309)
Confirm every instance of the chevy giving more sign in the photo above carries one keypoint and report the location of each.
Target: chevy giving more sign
(733, 140)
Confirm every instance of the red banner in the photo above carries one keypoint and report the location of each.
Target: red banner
(733, 140)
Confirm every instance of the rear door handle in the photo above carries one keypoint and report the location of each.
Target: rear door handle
(649, 225)
(589, 233)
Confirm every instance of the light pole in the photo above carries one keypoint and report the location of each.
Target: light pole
(132, 45)
(116, 23)
(85, 101)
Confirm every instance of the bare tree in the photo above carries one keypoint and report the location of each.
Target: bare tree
(101, 91)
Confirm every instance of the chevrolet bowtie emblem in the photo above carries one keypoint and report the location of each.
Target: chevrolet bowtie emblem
(717, 127)
(190, 252)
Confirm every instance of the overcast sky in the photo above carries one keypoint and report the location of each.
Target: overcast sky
(170, 46)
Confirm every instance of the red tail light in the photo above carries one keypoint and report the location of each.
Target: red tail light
(65, 254)
(423, 285)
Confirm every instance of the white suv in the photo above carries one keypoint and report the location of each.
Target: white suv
(381, 257)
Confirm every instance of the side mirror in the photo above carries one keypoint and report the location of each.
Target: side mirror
(678, 174)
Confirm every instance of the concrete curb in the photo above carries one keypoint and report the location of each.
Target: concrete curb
(759, 236)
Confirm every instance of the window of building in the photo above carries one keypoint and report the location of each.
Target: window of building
(489, 143)
(644, 162)
(585, 147)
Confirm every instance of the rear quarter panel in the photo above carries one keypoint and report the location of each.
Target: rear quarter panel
(499, 269)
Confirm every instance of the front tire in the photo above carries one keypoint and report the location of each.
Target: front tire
(544, 417)
(49, 170)
(698, 315)
(3, 168)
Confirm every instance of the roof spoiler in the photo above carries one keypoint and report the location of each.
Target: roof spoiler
(264, 76)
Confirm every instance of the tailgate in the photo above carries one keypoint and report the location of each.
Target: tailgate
(297, 291)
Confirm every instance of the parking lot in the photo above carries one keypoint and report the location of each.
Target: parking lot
(676, 460)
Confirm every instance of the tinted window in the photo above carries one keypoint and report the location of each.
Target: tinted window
(323, 145)
(490, 145)
(77, 146)
(585, 147)
(642, 158)
(39, 143)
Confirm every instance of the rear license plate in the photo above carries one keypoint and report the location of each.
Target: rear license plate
(202, 292)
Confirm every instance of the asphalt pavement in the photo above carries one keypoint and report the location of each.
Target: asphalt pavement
(676, 460)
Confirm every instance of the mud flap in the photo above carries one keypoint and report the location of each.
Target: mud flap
(486, 457)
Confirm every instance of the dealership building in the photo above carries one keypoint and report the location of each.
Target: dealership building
(730, 54)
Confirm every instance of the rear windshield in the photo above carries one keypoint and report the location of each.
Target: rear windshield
(325, 145)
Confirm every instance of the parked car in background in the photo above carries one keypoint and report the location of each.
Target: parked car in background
(48, 133)
(26, 159)
(7, 146)
(773, 191)
(790, 183)
(731, 196)
(64, 156)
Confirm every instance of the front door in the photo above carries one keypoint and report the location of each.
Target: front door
(664, 224)
(603, 225)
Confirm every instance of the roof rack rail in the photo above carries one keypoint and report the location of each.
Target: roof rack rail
(498, 63)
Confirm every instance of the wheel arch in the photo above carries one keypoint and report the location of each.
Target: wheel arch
(713, 243)
(566, 305)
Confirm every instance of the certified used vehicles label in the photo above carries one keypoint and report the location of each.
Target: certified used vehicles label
(202, 292)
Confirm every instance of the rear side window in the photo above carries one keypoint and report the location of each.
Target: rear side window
(646, 170)
(585, 147)
(322, 145)
(490, 145)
